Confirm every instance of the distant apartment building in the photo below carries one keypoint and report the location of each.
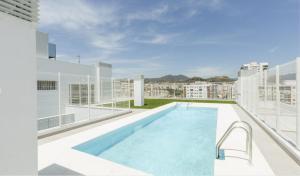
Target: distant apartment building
(288, 92)
(255, 66)
(164, 90)
(197, 91)
(267, 86)
(250, 69)
(209, 90)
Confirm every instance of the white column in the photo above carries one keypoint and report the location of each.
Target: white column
(298, 103)
(277, 99)
(18, 96)
(139, 91)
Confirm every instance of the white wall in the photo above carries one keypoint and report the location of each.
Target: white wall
(18, 125)
(55, 66)
(48, 101)
(42, 45)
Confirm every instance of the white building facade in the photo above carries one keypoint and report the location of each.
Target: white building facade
(210, 90)
(18, 125)
(196, 91)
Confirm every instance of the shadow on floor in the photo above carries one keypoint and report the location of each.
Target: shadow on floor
(56, 169)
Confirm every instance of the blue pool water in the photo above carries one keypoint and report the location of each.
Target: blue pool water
(177, 141)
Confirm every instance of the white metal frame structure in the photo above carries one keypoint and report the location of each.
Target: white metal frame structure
(74, 100)
(273, 98)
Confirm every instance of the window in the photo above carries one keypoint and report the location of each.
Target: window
(46, 85)
(78, 94)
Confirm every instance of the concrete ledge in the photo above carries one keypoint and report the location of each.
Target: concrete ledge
(285, 145)
(68, 127)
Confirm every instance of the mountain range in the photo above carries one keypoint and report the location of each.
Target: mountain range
(186, 79)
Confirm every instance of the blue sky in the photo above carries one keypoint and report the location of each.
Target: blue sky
(192, 37)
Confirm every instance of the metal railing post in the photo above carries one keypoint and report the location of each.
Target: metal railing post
(241, 95)
(255, 92)
(59, 98)
(298, 103)
(89, 96)
(174, 90)
(266, 85)
(277, 99)
(79, 88)
(112, 94)
(265, 91)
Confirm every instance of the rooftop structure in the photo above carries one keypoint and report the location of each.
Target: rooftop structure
(68, 93)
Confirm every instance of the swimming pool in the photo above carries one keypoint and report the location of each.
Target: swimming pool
(175, 141)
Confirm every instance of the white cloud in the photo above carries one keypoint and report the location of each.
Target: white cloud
(131, 67)
(195, 7)
(108, 41)
(212, 4)
(74, 14)
(274, 49)
(153, 14)
(148, 70)
(79, 18)
(155, 39)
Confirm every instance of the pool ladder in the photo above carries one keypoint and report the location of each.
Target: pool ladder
(242, 125)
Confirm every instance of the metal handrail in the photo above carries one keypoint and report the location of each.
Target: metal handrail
(242, 125)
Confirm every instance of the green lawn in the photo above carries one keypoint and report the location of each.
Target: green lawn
(154, 103)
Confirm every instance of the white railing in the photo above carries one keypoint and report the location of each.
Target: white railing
(76, 98)
(274, 98)
(55, 121)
